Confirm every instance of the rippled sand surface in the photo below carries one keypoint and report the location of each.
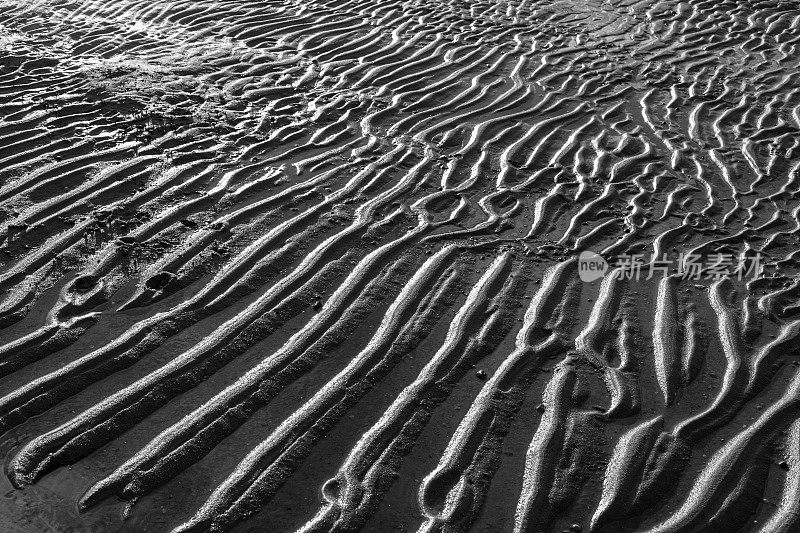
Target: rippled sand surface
(311, 265)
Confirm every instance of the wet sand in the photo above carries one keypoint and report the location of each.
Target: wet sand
(313, 266)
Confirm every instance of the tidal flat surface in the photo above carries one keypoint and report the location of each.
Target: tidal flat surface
(278, 266)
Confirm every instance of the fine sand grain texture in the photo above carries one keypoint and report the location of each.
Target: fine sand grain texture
(312, 265)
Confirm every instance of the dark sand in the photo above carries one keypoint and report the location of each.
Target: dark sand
(311, 266)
